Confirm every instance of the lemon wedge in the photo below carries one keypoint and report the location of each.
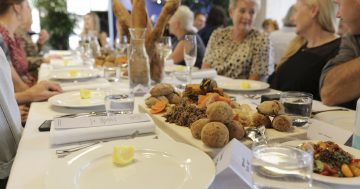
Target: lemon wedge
(73, 73)
(180, 68)
(66, 63)
(85, 93)
(245, 85)
(123, 155)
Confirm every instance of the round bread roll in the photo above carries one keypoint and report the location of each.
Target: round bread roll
(282, 123)
(258, 119)
(215, 134)
(161, 89)
(236, 130)
(174, 98)
(219, 111)
(197, 126)
(163, 98)
(151, 101)
(271, 108)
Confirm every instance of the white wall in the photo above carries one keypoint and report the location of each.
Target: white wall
(277, 9)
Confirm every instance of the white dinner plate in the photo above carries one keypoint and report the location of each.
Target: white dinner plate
(352, 181)
(235, 85)
(65, 74)
(157, 164)
(73, 100)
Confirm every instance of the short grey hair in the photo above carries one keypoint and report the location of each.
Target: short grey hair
(186, 18)
(233, 3)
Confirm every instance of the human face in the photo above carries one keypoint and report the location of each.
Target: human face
(88, 23)
(304, 17)
(27, 17)
(349, 12)
(199, 21)
(243, 15)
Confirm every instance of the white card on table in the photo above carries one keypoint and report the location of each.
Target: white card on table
(319, 130)
(99, 121)
(237, 157)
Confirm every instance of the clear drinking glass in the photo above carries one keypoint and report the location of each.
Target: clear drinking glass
(190, 53)
(119, 103)
(112, 74)
(298, 106)
(276, 166)
(164, 47)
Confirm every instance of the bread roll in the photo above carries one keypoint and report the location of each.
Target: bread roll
(215, 134)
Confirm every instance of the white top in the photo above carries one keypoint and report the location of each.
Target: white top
(10, 121)
(280, 41)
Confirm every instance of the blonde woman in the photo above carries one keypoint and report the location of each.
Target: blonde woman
(239, 51)
(91, 25)
(316, 43)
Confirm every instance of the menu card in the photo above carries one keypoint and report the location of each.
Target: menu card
(235, 157)
(319, 130)
(99, 121)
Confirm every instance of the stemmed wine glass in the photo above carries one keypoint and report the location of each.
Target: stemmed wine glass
(164, 47)
(190, 53)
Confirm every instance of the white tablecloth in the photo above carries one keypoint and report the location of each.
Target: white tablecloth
(34, 153)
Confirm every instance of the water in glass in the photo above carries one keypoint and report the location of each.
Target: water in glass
(298, 106)
(281, 167)
(119, 104)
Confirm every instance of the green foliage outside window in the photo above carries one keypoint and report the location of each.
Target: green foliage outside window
(57, 21)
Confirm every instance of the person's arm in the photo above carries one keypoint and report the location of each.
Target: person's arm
(39, 92)
(178, 54)
(341, 83)
(19, 84)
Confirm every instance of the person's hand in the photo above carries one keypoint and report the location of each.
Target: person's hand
(43, 37)
(24, 111)
(43, 90)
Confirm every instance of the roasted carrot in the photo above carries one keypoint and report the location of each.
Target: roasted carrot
(158, 107)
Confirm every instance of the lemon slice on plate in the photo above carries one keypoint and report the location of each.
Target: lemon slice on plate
(85, 93)
(245, 85)
(73, 73)
(123, 155)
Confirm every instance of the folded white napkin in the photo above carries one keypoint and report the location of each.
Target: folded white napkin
(77, 85)
(319, 106)
(199, 74)
(69, 130)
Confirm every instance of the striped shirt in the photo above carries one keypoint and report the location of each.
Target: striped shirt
(10, 122)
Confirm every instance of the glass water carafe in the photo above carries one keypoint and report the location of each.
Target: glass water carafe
(138, 60)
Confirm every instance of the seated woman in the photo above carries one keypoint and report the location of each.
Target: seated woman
(12, 15)
(181, 24)
(32, 50)
(316, 43)
(239, 51)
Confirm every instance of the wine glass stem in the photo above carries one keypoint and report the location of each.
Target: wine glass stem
(189, 75)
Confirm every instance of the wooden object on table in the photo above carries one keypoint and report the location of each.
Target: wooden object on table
(183, 134)
(139, 18)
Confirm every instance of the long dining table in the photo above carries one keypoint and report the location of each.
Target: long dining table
(35, 153)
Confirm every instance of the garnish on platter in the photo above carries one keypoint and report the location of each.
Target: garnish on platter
(331, 160)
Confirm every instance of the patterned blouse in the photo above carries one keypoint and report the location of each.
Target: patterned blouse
(238, 60)
(16, 52)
